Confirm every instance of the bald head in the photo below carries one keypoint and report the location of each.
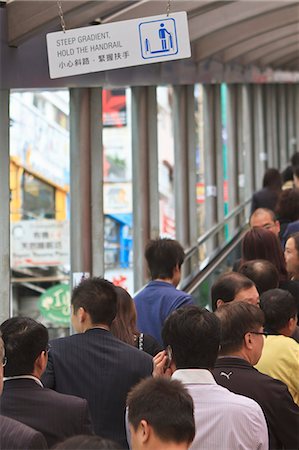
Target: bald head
(264, 218)
(262, 272)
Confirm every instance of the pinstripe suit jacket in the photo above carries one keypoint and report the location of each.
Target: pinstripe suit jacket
(15, 435)
(99, 367)
(55, 415)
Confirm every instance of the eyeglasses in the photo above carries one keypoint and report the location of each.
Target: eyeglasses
(4, 361)
(264, 333)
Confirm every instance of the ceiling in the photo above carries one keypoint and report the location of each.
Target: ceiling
(262, 34)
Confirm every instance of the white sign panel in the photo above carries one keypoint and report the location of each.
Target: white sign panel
(118, 44)
(39, 243)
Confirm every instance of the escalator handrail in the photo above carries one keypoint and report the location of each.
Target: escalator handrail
(216, 228)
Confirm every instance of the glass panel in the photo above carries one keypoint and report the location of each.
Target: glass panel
(118, 207)
(39, 207)
(166, 161)
(38, 199)
(224, 134)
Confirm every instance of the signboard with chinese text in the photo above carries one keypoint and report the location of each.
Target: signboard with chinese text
(54, 304)
(37, 243)
(118, 44)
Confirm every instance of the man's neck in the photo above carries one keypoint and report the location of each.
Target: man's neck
(91, 326)
(239, 354)
(157, 444)
(166, 280)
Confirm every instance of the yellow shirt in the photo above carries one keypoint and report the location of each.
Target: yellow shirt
(280, 360)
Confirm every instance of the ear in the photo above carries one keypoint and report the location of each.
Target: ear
(292, 324)
(40, 363)
(219, 303)
(145, 431)
(247, 341)
(81, 314)
(277, 223)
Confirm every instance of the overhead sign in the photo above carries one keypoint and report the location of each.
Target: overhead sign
(118, 44)
(37, 243)
(54, 304)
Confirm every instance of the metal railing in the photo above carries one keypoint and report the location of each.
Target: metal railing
(216, 246)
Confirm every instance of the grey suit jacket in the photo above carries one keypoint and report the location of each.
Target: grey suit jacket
(56, 416)
(15, 435)
(99, 367)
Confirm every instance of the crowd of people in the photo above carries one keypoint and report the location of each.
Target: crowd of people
(158, 372)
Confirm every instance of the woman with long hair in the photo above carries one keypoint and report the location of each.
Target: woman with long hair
(260, 243)
(124, 325)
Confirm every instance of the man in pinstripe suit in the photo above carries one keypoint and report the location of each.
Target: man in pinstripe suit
(95, 365)
(24, 398)
(15, 435)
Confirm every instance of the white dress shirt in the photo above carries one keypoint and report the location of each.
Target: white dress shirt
(224, 420)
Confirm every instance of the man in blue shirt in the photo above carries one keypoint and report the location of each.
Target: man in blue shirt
(160, 297)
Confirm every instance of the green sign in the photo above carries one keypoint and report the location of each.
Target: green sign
(54, 304)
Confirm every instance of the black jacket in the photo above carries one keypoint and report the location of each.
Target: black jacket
(55, 415)
(15, 435)
(99, 367)
(281, 413)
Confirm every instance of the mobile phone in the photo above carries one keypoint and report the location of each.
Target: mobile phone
(168, 351)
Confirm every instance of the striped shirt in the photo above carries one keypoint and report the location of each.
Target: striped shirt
(224, 420)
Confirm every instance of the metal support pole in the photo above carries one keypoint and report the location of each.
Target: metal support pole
(290, 92)
(232, 148)
(185, 167)
(97, 182)
(282, 126)
(248, 141)
(145, 176)
(210, 160)
(219, 158)
(80, 150)
(260, 155)
(4, 207)
(269, 132)
(296, 87)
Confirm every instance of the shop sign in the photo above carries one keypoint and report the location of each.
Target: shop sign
(36, 243)
(54, 304)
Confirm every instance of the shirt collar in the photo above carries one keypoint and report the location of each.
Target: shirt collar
(20, 377)
(194, 376)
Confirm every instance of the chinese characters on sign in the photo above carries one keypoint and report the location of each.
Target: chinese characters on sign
(118, 44)
(37, 243)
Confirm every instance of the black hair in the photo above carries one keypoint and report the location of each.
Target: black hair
(162, 256)
(295, 236)
(288, 205)
(262, 272)
(237, 318)
(272, 179)
(194, 336)
(24, 340)
(167, 407)
(295, 159)
(296, 171)
(97, 297)
(227, 286)
(279, 307)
